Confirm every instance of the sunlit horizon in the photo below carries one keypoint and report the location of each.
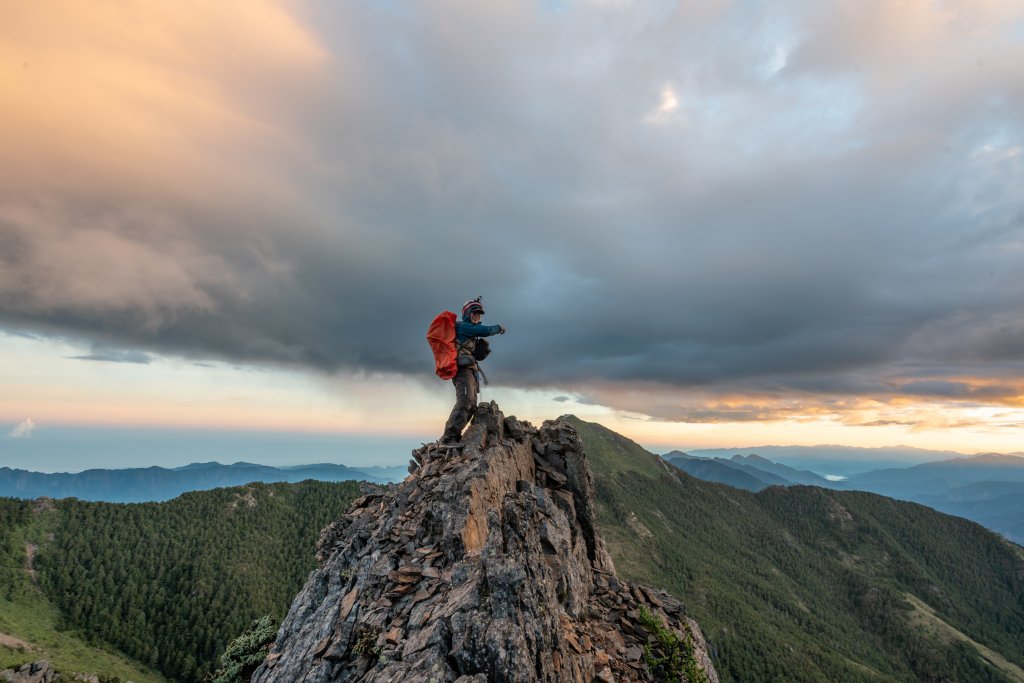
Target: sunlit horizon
(172, 394)
(704, 225)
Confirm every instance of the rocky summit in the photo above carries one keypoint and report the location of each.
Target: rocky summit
(483, 565)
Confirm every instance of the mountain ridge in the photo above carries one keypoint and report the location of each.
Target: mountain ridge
(790, 474)
(945, 485)
(156, 484)
(724, 471)
(836, 459)
(808, 583)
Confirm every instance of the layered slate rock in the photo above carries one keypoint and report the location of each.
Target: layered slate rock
(483, 565)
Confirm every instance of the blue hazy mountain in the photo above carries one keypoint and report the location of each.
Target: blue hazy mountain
(938, 478)
(146, 484)
(998, 505)
(790, 474)
(836, 460)
(984, 490)
(987, 489)
(725, 471)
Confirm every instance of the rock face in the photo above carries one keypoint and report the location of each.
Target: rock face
(33, 672)
(484, 565)
(43, 672)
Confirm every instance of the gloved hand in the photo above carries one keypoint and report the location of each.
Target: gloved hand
(501, 329)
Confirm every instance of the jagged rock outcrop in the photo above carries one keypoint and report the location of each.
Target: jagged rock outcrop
(32, 672)
(43, 672)
(484, 565)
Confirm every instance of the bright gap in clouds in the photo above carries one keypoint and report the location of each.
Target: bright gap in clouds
(667, 106)
(116, 408)
(60, 382)
(188, 411)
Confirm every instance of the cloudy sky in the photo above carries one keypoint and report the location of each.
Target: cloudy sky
(704, 223)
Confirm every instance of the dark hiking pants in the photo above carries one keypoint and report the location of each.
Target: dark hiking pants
(465, 404)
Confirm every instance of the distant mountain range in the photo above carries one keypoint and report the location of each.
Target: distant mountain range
(987, 489)
(151, 484)
(837, 460)
(751, 472)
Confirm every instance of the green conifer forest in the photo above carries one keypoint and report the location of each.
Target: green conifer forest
(171, 584)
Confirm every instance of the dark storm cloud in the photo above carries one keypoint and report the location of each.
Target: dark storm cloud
(942, 388)
(818, 211)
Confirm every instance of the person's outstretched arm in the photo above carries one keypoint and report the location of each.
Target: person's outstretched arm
(479, 330)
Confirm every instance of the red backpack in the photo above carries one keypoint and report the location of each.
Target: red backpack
(441, 337)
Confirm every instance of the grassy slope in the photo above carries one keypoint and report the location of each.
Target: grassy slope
(925, 617)
(27, 615)
(805, 584)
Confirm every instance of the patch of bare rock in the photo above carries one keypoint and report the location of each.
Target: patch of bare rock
(43, 672)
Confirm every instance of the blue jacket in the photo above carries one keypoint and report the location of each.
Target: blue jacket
(465, 330)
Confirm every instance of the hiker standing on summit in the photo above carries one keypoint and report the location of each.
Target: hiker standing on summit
(471, 348)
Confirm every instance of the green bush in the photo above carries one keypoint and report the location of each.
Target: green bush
(670, 658)
(245, 653)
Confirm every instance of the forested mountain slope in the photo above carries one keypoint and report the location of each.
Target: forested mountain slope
(170, 584)
(796, 584)
(809, 584)
(30, 626)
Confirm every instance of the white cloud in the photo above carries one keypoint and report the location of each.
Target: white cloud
(666, 108)
(777, 61)
(23, 430)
